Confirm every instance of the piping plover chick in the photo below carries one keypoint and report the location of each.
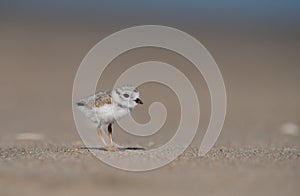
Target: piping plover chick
(106, 107)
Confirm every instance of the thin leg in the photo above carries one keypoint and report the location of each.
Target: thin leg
(111, 148)
(110, 134)
(99, 131)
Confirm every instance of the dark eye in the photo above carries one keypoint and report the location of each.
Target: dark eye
(126, 95)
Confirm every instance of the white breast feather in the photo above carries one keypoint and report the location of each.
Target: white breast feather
(110, 113)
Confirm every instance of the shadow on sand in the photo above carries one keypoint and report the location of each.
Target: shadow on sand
(120, 149)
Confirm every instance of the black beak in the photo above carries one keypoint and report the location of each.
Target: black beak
(138, 101)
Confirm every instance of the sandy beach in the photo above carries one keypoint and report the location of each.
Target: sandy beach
(256, 48)
(35, 169)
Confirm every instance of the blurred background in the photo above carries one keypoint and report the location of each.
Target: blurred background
(255, 43)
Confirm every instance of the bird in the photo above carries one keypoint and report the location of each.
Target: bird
(106, 107)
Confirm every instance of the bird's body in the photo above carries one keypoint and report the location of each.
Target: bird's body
(106, 107)
(102, 109)
(111, 113)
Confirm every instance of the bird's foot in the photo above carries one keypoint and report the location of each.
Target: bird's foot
(111, 148)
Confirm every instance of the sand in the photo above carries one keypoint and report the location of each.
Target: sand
(48, 169)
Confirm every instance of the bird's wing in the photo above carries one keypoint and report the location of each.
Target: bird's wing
(101, 98)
